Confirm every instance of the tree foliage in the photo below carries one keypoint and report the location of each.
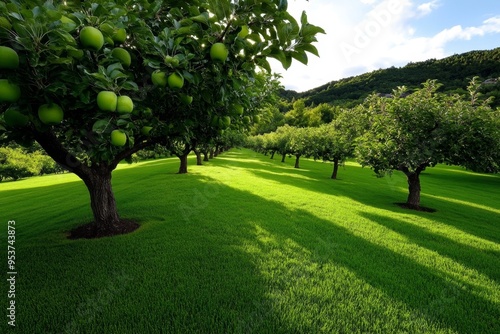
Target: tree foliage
(59, 65)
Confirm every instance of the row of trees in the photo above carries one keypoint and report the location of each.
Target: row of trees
(406, 133)
(94, 82)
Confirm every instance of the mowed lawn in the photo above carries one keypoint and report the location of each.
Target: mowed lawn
(245, 244)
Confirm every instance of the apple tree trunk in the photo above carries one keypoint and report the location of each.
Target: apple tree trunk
(272, 154)
(297, 158)
(183, 167)
(212, 154)
(205, 155)
(198, 157)
(283, 156)
(102, 201)
(413, 200)
(335, 168)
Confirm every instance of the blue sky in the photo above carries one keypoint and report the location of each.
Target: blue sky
(366, 35)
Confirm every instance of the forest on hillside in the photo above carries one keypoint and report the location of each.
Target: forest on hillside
(454, 73)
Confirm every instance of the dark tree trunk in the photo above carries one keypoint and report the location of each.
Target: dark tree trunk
(217, 151)
(297, 158)
(183, 167)
(272, 154)
(212, 154)
(97, 179)
(283, 156)
(413, 178)
(413, 200)
(335, 168)
(198, 157)
(205, 156)
(102, 201)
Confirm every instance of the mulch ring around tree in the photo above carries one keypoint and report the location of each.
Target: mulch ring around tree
(91, 230)
(416, 208)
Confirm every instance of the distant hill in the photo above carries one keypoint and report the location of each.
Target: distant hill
(453, 72)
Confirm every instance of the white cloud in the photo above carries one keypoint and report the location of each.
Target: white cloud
(361, 39)
(428, 7)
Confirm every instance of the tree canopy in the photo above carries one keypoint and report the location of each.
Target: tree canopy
(95, 81)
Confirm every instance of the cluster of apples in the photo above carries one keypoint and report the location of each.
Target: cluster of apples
(49, 113)
(93, 39)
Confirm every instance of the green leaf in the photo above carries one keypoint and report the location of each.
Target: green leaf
(310, 48)
(283, 5)
(262, 62)
(113, 67)
(122, 122)
(310, 30)
(300, 56)
(303, 18)
(130, 85)
(221, 8)
(100, 126)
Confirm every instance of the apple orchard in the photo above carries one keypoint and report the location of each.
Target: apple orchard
(95, 81)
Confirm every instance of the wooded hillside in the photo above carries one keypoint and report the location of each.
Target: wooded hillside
(453, 72)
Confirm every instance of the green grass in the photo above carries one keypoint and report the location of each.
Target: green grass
(245, 244)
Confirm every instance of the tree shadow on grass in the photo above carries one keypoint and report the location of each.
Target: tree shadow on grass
(384, 193)
(224, 260)
(484, 261)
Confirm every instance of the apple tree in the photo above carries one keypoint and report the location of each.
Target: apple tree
(336, 141)
(96, 81)
(414, 132)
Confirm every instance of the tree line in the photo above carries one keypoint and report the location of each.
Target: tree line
(454, 73)
(405, 132)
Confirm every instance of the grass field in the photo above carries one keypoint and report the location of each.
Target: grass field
(245, 244)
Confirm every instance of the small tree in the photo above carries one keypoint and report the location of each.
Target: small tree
(336, 141)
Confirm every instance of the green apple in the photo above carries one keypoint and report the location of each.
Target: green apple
(91, 38)
(14, 118)
(107, 100)
(122, 55)
(238, 109)
(5, 23)
(8, 58)
(172, 61)
(256, 119)
(218, 52)
(243, 32)
(120, 35)
(175, 81)
(146, 130)
(50, 114)
(159, 78)
(246, 120)
(124, 104)
(215, 121)
(224, 122)
(118, 138)
(9, 92)
(187, 99)
(68, 24)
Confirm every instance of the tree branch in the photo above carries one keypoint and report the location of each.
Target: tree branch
(125, 154)
(59, 153)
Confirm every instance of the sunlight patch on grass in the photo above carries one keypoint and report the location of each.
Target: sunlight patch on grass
(474, 205)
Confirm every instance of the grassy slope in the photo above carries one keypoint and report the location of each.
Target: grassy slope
(246, 244)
